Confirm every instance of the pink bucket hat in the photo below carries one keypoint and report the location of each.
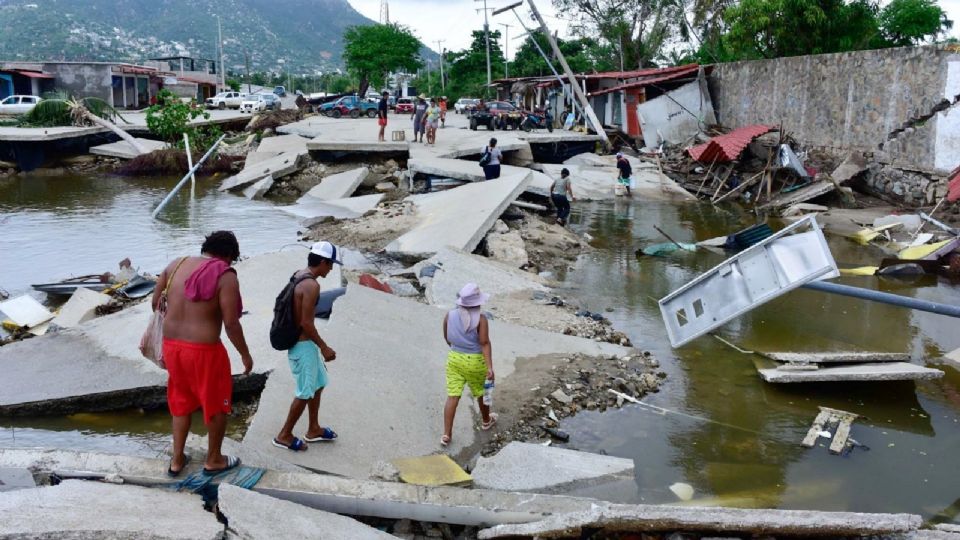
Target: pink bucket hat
(470, 296)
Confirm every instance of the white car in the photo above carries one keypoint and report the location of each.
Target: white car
(18, 104)
(226, 99)
(253, 103)
(465, 105)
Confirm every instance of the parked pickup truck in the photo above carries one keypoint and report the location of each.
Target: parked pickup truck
(351, 106)
(226, 99)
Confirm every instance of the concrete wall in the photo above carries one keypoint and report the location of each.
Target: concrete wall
(83, 80)
(897, 105)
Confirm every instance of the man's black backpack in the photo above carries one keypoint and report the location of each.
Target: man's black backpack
(284, 331)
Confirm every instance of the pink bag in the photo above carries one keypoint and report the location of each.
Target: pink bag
(151, 344)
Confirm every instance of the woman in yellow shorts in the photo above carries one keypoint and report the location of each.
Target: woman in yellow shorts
(469, 361)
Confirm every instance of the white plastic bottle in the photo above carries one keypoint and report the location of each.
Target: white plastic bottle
(488, 392)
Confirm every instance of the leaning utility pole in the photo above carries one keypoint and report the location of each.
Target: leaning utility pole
(486, 33)
(443, 83)
(587, 109)
(246, 59)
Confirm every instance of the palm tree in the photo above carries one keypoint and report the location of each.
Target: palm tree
(59, 109)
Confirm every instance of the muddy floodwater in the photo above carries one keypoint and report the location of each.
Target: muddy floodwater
(716, 425)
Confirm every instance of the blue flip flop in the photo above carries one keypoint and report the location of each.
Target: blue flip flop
(232, 463)
(296, 445)
(327, 435)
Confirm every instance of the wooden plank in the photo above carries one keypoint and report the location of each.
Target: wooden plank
(814, 433)
(741, 187)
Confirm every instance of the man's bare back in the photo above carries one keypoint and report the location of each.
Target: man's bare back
(197, 321)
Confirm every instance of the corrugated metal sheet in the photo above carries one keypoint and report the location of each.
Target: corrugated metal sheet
(638, 73)
(953, 193)
(729, 146)
(664, 75)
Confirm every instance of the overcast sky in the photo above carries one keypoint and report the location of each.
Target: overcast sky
(452, 20)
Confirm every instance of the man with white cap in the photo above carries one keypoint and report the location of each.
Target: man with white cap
(470, 360)
(308, 371)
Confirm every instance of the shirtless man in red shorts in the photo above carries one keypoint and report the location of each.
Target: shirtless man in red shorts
(203, 297)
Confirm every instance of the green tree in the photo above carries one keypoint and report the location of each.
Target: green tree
(584, 55)
(909, 22)
(372, 52)
(171, 117)
(234, 84)
(466, 70)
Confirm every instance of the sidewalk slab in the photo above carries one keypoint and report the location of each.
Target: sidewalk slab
(337, 186)
(533, 467)
(253, 515)
(836, 357)
(458, 217)
(458, 169)
(890, 371)
(277, 167)
(433, 470)
(311, 209)
(123, 150)
(83, 366)
(258, 189)
(14, 478)
(81, 509)
(281, 144)
(387, 390)
(328, 150)
(456, 268)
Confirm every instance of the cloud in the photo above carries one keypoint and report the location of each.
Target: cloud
(454, 20)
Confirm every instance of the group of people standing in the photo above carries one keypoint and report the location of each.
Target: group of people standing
(200, 297)
(427, 117)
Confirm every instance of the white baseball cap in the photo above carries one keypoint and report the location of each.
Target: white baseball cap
(327, 251)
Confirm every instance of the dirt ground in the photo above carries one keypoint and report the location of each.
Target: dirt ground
(369, 233)
(524, 309)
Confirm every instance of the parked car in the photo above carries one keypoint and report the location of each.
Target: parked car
(465, 105)
(259, 103)
(392, 103)
(404, 105)
(280, 91)
(497, 115)
(226, 99)
(351, 106)
(18, 104)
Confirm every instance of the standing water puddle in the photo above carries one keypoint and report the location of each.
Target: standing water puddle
(734, 438)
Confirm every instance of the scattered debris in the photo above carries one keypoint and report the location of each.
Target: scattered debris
(837, 420)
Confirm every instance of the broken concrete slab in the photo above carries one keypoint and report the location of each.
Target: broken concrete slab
(255, 157)
(82, 509)
(258, 189)
(80, 308)
(534, 467)
(433, 470)
(124, 150)
(409, 367)
(458, 217)
(309, 128)
(640, 518)
(455, 268)
(458, 169)
(312, 209)
(25, 311)
(800, 209)
(253, 515)
(337, 186)
(14, 478)
(891, 371)
(281, 144)
(328, 150)
(507, 248)
(98, 366)
(196, 446)
(836, 357)
(277, 167)
(854, 164)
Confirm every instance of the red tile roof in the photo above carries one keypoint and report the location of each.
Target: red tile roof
(729, 146)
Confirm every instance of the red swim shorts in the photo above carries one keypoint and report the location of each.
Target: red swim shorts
(199, 378)
(381, 121)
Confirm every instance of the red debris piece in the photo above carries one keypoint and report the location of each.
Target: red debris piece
(369, 281)
(953, 185)
(729, 146)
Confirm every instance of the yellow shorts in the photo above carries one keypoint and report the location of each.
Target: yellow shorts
(465, 369)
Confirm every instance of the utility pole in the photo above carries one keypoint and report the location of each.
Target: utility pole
(587, 109)
(223, 69)
(506, 49)
(486, 33)
(246, 59)
(443, 83)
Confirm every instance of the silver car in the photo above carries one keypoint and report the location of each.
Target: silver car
(12, 105)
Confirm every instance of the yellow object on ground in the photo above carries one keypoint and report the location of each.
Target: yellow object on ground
(859, 271)
(864, 236)
(436, 470)
(918, 252)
